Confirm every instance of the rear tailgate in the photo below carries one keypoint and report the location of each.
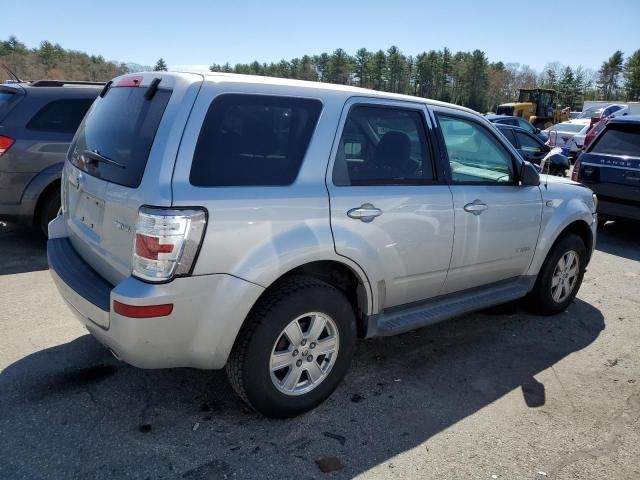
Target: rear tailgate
(121, 158)
(611, 166)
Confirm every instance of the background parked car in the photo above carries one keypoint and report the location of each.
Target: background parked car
(610, 166)
(37, 123)
(568, 135)
(533, 149)
(516, 122)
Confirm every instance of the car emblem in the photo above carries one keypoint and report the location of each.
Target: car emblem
(122, 226)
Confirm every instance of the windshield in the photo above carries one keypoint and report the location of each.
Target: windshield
(114, 139)
(592, 112)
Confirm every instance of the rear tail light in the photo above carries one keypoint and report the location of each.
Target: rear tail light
(593, 132)
(575, 175)
(167, 242)
(5, 144)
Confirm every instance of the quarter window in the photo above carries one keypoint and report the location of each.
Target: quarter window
(253, 140)
(60, 116)
(475, 156)
(383, 146)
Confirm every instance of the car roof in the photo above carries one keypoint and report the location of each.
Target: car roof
(60, 87)
(314, 87)
(504, 126)
(494, 116)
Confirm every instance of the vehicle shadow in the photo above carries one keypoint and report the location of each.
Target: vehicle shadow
(72, 411)
(620, 239)
(21, 249)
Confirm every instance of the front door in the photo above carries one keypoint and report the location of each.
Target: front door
(497, 221)
(391, 212)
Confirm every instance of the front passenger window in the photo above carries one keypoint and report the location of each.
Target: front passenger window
(475, 155)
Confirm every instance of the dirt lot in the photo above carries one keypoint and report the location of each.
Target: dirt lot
(492, 395)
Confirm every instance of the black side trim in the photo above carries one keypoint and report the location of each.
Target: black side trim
(77, 274)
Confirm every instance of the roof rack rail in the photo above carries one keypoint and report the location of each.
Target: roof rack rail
(60, 83)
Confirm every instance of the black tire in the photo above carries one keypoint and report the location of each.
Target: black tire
(248, 365)
(48, 210)
(540, 300)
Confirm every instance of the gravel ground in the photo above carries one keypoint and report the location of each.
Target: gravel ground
(500, 394)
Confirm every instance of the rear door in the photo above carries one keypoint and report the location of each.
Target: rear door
(497, 221)
(391, 210)
(611, 167)
(121, 158)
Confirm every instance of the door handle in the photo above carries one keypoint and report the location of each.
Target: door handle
(476, 207)
(365, 212)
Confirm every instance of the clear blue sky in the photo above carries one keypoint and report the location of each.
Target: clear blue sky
(195, 32)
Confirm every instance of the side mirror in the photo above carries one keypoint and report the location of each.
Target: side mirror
(529, 175)
(537, 130)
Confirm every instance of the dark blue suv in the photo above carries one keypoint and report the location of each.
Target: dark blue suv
(610, 166)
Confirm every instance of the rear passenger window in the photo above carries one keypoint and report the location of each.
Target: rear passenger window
(383, 146)
(475, 156)
(253, 140)
(60, 116)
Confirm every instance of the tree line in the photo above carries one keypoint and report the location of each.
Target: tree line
(465, 78)
(51, 61)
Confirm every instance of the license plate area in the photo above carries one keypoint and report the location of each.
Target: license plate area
(90, 212)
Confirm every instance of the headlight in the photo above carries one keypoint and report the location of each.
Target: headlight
(595, 203)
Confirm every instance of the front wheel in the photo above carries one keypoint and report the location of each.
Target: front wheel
(560, 277)
(294, 349)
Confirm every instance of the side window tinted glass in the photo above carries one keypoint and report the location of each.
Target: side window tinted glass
(507, 132)
(253, 140)
(60, 116)
(475, 155)
(527, 143)
(383, 146)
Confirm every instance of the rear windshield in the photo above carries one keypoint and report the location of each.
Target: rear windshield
(619, 139)
(250, 140)
(114, 139)
(593, 112)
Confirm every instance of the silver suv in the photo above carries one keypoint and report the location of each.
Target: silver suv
(264, 225)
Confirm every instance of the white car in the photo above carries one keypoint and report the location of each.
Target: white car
(568, 135)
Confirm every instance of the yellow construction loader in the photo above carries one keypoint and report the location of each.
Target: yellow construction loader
(538, 106)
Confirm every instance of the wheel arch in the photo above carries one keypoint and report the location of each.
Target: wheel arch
(44, 194)
(350, 280)
(579, 227)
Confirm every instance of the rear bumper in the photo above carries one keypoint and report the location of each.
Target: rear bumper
(207, 315)
(609, 209)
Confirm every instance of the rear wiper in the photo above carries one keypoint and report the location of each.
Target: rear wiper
(98, 157)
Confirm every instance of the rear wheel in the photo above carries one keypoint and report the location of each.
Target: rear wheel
(560, 277)
(48, 210)
(294, 349)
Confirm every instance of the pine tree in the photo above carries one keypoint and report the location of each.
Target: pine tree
(609, 75)
(160, 66)
(632, 77)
